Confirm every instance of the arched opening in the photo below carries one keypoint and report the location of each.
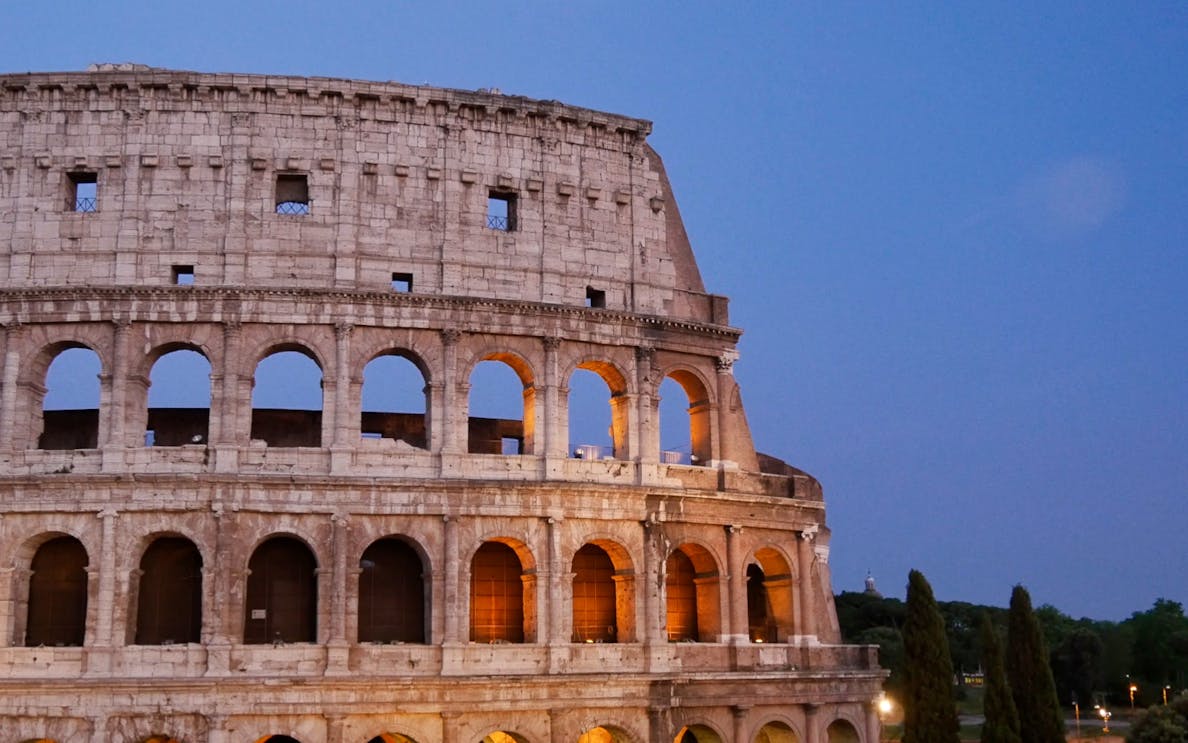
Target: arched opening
(502, 406)
(595, 616)
(282, 593)
(770, 597)
(160, 739)
(178, 400)
(70, 408)
(169, 600)
(498, 736)
(598, 412)
(278, 739)
(760, 620)
(392, 596)
(287, 399)
(776, 732)
(697, 734)
(395, 400)
(841, 731)
(691, 595)
(604, 735)
(497, 607)
(57, 610)
(684, 420)
(391, 738)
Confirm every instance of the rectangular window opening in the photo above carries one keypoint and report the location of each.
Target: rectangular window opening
(501, 211)
(595, 297)
(183, 275)
(84, 192)
(511, 445)
(292, 193)
(402, 282)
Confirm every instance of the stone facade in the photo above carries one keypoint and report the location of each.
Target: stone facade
(145, 212)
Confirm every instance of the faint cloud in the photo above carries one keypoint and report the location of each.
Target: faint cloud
(1072, 198)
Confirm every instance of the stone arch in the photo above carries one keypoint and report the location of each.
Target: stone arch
(771, 595)
(394, 599)
(607, 733)
(842, 730)
(618, 401)
(287, 426)
(278, 739)
(699, 733)
(776, 731)
(501, 736)
(282, 592)
(618, 576)
(392, 738)
(409, 426)
(59, 424)
(692, 594)
(496, 436)
(168, 594)
(56, 608)
(502, 592)
(166, 424)
(699, 393)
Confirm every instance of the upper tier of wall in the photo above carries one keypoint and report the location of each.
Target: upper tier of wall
(188, 172)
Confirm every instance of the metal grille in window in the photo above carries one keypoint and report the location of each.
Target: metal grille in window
(292, 207)
(497, 222)
(82, 204)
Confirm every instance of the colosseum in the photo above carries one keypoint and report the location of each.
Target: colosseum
(278, 556)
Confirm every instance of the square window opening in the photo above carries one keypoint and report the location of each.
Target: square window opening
(501, 211)
(402, 282)
(292, 193)
(83, 193)
(595, 297)
(183, 275)
(511, 445)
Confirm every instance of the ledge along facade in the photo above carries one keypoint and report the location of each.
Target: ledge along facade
(330, 570)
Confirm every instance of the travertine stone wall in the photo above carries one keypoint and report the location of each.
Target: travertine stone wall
(186, 168)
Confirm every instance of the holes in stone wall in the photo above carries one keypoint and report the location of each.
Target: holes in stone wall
(282, 593)
(501, 409)
(292, 193)
(82, 191)
(402, 283)
(287, 399)
(392, 596)
(169, 600)
(496, 595)
(595, 298)
(395, 399)
(70, 408)
(181, 275)
(57, 609)
(178, 400)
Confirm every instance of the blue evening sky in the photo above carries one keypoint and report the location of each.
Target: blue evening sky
(956, 235)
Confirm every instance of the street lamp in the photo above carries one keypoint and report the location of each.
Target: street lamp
(1133, 689)
(1105, 719)
(1165, 688)
(884, 706)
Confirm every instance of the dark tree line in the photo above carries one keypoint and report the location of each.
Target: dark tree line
(1090, 660)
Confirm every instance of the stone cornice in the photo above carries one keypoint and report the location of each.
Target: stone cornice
(154, 88)
(333, 298)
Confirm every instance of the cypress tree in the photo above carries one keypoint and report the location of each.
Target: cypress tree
(929, 712)
(1029, 673)
(1002, 719)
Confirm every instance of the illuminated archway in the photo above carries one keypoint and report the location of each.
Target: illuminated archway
(691, 586)
(841, 731)
(776, 732)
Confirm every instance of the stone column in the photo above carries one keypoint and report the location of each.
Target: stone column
(451, 602)
(453, 413)
(99, 729)
(811, 723)
(340, 427)
(647, 421)
(740, 723)
(216, 729)
(554, 444)
(7, 604)
(228, 431)
(736, 587)
(554, 631)
(13, 337)
(106, 597)
(449, 727)
(804, 556)
(339, 584)
(874, 723)
(335, 725)
(723, 441)
(113, 398)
